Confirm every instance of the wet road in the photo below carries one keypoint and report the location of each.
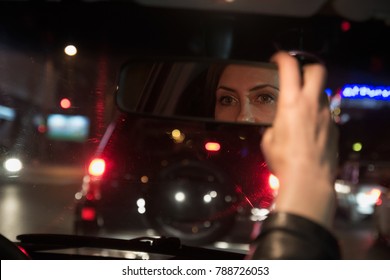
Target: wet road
(47, 206)
(358, 240)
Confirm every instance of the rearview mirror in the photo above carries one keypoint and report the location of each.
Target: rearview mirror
(199, 89)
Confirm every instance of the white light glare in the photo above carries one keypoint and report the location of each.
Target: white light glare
(141, 206)
(342, 188)
(13, 165)
(369, 198)
(207, 198)
(259, 214)
(141, 202)
(70, 50)
(180, 197)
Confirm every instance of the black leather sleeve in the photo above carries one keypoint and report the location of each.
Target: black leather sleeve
(286, 236)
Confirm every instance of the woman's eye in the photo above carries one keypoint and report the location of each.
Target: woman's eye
(265, 98)
(227, 100)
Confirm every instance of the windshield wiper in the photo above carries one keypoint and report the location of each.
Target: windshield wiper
(34, 243)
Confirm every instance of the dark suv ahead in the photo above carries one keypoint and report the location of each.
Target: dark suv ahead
(189, 179)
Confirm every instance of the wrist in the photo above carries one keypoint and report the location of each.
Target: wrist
(315, 201)
(299, 237)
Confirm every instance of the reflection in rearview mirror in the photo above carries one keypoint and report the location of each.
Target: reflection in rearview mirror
(228, 91)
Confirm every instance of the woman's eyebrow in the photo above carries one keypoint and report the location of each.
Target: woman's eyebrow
(257, 87)
(263, 86)
(226, 88)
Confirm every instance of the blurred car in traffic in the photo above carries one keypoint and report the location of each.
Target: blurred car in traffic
(357, 201)
(178, 179)
(382, 217)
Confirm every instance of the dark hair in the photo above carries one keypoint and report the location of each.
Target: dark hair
(214, 73)
(198, 99)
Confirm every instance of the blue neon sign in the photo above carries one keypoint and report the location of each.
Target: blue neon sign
(356, 91)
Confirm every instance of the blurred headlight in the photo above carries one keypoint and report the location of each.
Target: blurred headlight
(368, 198)
(13, 165)
(342, 188)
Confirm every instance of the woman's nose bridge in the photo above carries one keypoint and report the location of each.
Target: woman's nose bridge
(245, 113)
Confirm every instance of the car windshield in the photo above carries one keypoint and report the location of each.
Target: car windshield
(77, 160)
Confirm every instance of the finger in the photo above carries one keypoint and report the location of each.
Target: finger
(314, 77)
(289, 78)
(328, 135)
(323, 130)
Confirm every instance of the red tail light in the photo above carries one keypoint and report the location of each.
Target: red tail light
(212, 146)
(97, 167)
(88, 214)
